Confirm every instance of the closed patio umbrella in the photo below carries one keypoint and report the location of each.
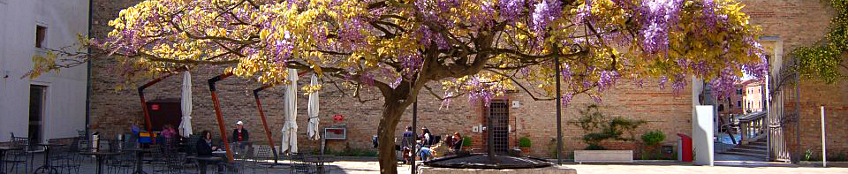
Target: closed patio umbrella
(185, 106)
(290, 127)
(312, 128)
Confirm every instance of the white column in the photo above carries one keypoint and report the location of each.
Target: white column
(702, 135)
(824, 150)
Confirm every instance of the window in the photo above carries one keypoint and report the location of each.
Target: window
(739, 91)
(40, 34)
(739, 103)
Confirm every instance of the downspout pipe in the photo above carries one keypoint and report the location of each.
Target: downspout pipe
(88, 76)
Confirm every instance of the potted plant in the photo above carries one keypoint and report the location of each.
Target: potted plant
(652, 139)
(599, 128)
(524, 143)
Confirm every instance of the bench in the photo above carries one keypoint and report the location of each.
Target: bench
(603, 156)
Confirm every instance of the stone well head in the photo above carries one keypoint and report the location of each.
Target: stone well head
(484, 161)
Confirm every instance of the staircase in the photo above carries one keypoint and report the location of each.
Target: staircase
(757, 149)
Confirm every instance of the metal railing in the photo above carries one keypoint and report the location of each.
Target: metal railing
(753, 127)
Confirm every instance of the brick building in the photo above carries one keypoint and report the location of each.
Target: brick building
(787, 24)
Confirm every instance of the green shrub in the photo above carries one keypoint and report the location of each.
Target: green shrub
(837, 157)
(466, 141)
(524, 142)
(809, 155)
(552, 147)
(595, 147)
(599, 128)
(652, 138)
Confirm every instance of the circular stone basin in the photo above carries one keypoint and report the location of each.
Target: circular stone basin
(482, 161)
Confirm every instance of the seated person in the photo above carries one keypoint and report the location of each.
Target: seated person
(205, 149)
(456, 142)
(168, 132)
(440, 150)
(241, 138)
(424, 152)
(204, 144)
(137, 128)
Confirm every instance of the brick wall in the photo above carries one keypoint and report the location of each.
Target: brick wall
(796, 22)
(114, 110)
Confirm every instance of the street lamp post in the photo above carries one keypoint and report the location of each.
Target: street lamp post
(558, 112)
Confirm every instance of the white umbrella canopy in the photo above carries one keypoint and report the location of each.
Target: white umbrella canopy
(312, 128)
(186, 106)
(290, 127)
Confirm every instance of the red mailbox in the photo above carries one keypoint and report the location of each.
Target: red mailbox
(685, 147)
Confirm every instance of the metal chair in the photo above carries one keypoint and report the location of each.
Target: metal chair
(65, 159)
(168, 158)
(240, 161)
(299, 164)
(121, 163)
(261, 154)
(22, 157)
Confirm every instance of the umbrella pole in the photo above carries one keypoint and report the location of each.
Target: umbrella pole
(218, 114)
(264, 123)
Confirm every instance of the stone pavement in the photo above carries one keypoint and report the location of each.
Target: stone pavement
(354, 165)
(683, 169)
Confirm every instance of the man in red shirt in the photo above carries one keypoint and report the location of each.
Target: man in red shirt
(240, 135)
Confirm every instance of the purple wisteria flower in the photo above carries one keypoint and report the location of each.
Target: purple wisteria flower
(510, 10)
(566, 72)
(658, 16)
(607, 79)
(545, 12)
(566, 99)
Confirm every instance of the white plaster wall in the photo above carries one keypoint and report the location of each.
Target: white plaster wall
(65, 105)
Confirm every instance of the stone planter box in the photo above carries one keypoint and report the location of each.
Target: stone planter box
(603, 156)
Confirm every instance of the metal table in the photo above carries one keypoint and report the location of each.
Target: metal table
(204, 160)
(139, 153)
(100, 157)
(319, 161)
(3, 150)
(47, 167)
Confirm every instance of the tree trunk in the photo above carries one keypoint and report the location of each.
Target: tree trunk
(392, 112)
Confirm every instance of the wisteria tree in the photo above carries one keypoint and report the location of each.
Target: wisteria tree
(473, 48)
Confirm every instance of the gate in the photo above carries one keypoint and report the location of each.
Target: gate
(784, 92)
(498, 111)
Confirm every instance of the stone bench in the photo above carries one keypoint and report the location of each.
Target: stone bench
(603, 156)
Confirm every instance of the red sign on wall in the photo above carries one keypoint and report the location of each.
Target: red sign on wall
(154, 107)
(338, 117)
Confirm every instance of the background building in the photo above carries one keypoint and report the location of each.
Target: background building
(52, 105)
(754, 93)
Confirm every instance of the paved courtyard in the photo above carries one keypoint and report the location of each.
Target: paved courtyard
(355, 165)
(678, 169)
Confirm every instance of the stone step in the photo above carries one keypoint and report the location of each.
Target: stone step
(758, 143)
(758, 155)
(749, 146)
(749, 150)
